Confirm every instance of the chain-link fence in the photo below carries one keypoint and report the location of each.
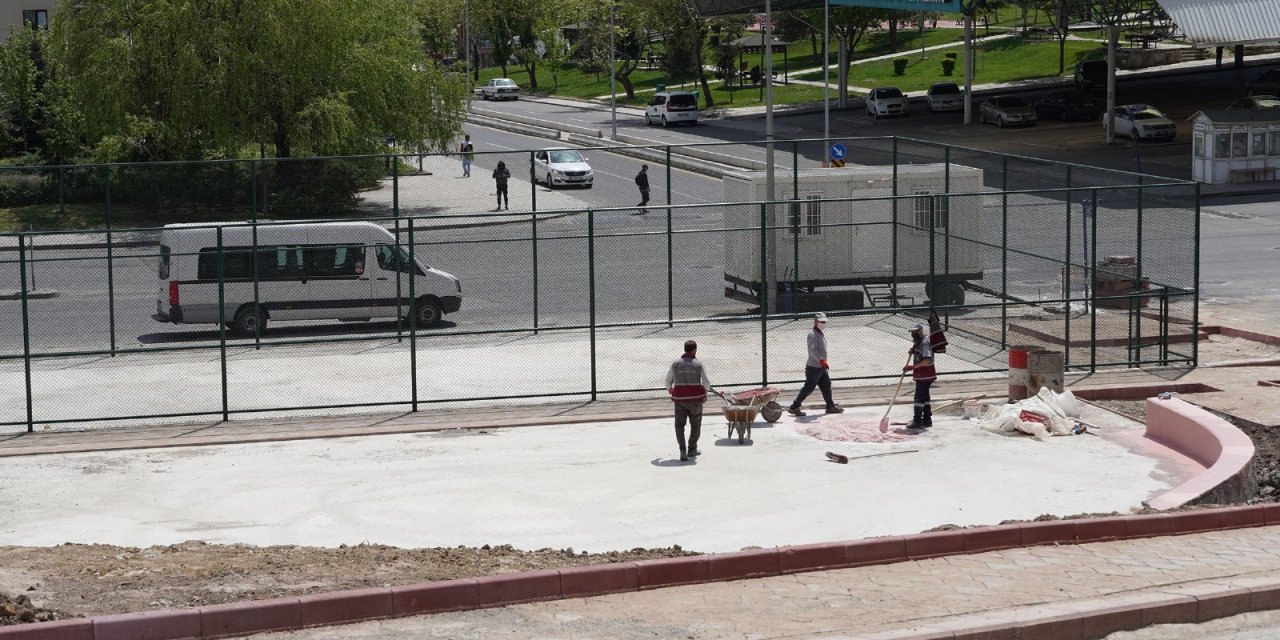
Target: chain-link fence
(404, 289)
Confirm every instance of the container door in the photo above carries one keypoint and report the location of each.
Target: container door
(872, 237)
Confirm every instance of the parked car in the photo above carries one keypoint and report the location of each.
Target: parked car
(1140, 121)
(1069, 105)
(670, 107)
(1091, 75)
(1006, 110)
(1257, 102)
(500, 89)
(562, 168)
(945, 96)
(1267, 83)
(886, 101)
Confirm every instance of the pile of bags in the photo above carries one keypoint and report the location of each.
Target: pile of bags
(1042, 415)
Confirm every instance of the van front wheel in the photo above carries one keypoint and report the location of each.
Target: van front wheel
(249, 321)
(428, 312)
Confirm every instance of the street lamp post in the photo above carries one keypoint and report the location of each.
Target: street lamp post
(613, 82)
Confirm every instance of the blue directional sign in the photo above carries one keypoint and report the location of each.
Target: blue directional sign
(838, 151)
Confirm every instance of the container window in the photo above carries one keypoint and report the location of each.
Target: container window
(1240, 145)
(805, 217)
(926, 201)
(1275, 143)
(1258, 144)
(1198, 147)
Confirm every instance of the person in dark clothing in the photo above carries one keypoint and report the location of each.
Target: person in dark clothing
(500, 177)
(642, 181)
(687, 383)
(923, 374)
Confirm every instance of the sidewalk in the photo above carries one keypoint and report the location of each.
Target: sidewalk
(1036, 593)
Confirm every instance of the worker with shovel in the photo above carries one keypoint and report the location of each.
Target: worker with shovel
(687, 383)
(923, 374)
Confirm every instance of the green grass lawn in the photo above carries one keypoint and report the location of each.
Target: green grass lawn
(1003, 60)
(999, 61)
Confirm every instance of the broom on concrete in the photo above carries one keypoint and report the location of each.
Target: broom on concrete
(884, 422)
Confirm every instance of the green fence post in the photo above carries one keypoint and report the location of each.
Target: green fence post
(111, 266)
(395, 185)
(1066, 283)
(222, 324)
(534, 222)
(933, 249)
(1135, 296)
(1195, 283)
(1093, 281)
(253, 190)
(533, 184)
(670, 250)
(894, 290)
(591, 291)
(26, 330)
(1004, 252)
(395, 214)
(257, 299)
(946, 240)
(764, 297)
(413, 322)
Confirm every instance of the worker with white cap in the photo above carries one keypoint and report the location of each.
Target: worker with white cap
(815, 369)
(923, 374)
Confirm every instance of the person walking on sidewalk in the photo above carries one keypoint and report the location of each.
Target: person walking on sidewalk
(500, 177)
(687, 383)
(923, 374)
(642, 181)
(815, 369)
(468, 153)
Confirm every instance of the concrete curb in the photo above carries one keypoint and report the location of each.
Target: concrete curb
(37, 294)
(1079, 619)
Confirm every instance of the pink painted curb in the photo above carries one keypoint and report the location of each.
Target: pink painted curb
(1225, 451)
(1193, 603)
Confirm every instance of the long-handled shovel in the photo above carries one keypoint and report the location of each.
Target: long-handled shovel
(884, 422)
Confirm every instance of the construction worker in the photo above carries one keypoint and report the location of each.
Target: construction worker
(815, 369)
(923, 374)
(687, 383)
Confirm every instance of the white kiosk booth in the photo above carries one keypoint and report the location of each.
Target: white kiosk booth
(1235, 145)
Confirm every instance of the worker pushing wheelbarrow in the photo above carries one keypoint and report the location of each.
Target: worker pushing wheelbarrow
(741, 408)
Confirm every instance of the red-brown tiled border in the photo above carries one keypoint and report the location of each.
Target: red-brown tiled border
(1083, 619)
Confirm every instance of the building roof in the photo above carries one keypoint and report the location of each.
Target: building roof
(1222, 22)
(1241, 116)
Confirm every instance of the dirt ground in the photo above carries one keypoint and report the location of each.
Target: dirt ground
(50, 583)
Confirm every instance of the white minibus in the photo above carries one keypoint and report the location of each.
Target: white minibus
(349, 271)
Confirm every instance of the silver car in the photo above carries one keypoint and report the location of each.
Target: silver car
(1007, 110)
(500, 89)
(562, 168)
(886, 101)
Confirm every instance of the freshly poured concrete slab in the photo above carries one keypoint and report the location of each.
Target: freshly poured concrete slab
(595, 487)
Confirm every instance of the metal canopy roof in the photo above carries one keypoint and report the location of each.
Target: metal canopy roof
(1221, 22)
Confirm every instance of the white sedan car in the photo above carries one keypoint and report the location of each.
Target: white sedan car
(562, 168)
(1140, 121)
(886, 101)
(500, 89)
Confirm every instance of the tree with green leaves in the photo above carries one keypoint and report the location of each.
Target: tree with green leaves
(171, 79)
(39, 115)
(1114, 13)
(847, 26)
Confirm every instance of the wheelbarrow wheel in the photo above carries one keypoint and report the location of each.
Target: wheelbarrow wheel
(771, 412)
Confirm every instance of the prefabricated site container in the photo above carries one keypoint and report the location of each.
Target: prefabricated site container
(868, 239)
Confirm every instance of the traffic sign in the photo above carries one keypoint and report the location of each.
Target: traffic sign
(838, 151)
